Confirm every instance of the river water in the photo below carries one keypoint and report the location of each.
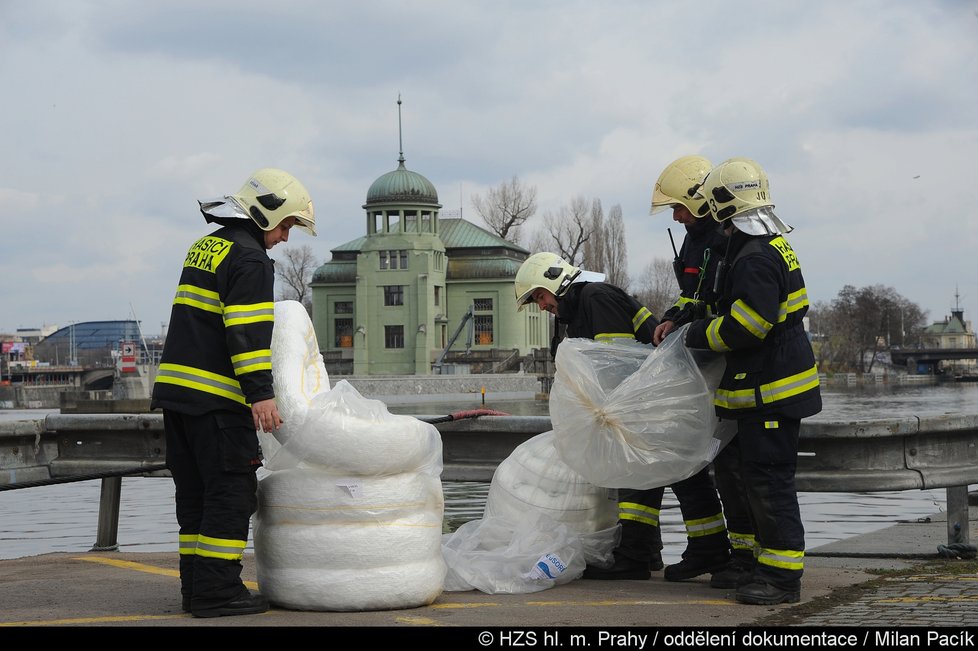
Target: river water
(63, 517)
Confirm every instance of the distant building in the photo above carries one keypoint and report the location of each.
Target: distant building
(389, 303)
(952, 333)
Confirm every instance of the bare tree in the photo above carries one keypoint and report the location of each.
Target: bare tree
(657, 288)
(295, 270)
(859, 323)
(506, 208)
(569, 229)
(616, 249)
(594, 249)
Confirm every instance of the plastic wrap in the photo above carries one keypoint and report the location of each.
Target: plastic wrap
(350, 504)
(622, 421)
(501, 555)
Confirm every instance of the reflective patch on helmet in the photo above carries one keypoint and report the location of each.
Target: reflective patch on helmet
(740, 186)
(258, 216)
(270, 201)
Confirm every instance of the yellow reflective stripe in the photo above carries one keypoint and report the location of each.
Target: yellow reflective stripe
(640, 317)
(256, 360)
(638, 513)
(200, 380)
(713, 336)
(790, 386)
(705, 526)
(753, 322)
(742, 541)
(771, 424)
(188, 544)
(797, 300)
(740, 399)
(198, 297)
(231, 550)
(613, 335)
(242, 314)
(786, 559)
(683, 301)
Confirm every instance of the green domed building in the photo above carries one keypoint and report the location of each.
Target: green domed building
(389, 303)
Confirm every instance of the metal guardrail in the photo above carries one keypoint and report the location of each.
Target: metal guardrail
(860, 456)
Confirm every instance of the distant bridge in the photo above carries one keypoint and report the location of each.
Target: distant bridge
(929, 357)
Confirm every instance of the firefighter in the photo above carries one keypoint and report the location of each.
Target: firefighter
(214, 384)
(770, 382)
(600, 311)
(707, 544)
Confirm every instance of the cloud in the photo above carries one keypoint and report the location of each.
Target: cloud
(125, 115)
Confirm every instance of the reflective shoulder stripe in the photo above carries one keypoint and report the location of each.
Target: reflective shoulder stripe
(204, 299)
(243, 314)
(201, 380)
(753, 322)
(640, 317)
(256, 360)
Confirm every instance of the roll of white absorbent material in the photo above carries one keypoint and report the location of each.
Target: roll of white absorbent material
(298, 372)
(409, 585)
(345, 433)
(534, 477)
(310, 496)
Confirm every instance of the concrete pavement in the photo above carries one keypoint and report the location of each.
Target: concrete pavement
(891, 577)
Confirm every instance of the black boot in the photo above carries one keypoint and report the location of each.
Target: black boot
(248, 603)
(737, 573)
(694, 565)
(764, 594)
(624, 568)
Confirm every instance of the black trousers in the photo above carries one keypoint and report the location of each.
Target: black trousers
(213, 458)
(755, 474)
(697, 497)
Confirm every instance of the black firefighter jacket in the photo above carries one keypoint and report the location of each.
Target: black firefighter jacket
(770, 364)
(217, 354)
(602, 311)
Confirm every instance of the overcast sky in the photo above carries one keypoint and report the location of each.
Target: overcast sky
(118, 115)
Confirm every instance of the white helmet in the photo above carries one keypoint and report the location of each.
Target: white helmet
(735, 186)
(269, 196)
(546, 270)
(678, 184)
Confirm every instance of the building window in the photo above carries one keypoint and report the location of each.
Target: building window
(343, 307)
(393, 259)
(393, 295)
(394, 336)
(344, 333)
(483, 322)
(437, 295)
(483, 329)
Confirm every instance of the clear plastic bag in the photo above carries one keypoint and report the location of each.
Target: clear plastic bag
(499, 555)
(627, 415)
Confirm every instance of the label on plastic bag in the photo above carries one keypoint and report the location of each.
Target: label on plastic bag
(353, 487)
(548, 567)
